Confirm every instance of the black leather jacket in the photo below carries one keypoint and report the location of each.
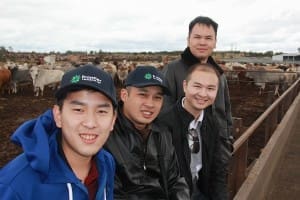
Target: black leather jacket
(138, 170)
(213, 174)
(175, 73)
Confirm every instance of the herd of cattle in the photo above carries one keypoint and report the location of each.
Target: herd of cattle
(14, 77)
(274, 75)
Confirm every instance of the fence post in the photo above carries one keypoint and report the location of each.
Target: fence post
(271, 120)
(234, 162)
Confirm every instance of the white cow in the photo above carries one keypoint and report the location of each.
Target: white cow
(50, 59)
(276, 78)
(43, 77)
(109, 68)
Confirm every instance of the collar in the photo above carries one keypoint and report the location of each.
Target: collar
(183, 114)
(195, 122)
(189, 59)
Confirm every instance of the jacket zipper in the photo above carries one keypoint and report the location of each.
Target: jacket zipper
(145, 144)
(144, 163)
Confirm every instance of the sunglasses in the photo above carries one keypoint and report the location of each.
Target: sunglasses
(194, 141)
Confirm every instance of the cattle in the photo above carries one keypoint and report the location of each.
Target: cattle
(233, 71)
(43, 77)
(109, 68)
(158, 65)
(5, 76)
(19, 77)
(121, 75)
(290, 77)
(22, 66)
(275, 78)
(50, 59)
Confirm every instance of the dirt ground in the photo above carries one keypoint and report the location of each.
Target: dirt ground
(17, 108)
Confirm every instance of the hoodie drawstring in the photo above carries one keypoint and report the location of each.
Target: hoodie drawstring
(70, 190)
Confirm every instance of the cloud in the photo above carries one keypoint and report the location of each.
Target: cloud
(133, 25)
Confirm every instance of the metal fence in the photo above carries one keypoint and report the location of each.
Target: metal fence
(265, 125)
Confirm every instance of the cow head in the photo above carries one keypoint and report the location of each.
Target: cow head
(109, 68)
(122, 71)
(34, 71)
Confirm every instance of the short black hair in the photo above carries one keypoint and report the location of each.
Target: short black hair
(205, 67)
(203, 20)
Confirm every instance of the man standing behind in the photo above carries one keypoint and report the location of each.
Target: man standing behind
(63, 156)
(195, 134)
(201, 41)
(146, 163)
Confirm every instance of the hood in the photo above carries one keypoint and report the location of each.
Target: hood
(33, 137)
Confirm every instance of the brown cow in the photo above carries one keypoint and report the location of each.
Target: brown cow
(5, 76)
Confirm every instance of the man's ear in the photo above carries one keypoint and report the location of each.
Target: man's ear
(114, 120)
(184, 85)
(215, 46)
(123, 94)
(188, 41)
(57, 115)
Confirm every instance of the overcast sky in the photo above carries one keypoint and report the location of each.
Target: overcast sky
(152, 25)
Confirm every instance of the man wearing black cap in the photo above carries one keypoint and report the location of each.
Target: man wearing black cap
(146, 163)
(63, 156)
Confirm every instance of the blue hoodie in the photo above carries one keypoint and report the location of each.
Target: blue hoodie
(40, 172)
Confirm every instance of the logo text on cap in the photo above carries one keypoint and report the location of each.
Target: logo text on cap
(149, 76)
(91, 78)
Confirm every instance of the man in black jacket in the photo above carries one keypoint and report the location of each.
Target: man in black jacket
(146, 163)
(202, 39)
(195, 134)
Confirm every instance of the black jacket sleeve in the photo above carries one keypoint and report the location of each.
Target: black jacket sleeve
(177, 186)
(219, 171)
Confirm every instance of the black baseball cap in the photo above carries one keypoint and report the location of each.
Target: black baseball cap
(144, 76)
(88, 76)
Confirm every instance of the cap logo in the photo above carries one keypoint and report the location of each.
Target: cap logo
(75, 79)
(157, 78)
(148, 76)
(91, 78)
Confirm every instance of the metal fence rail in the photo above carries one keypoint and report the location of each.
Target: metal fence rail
(266, 125)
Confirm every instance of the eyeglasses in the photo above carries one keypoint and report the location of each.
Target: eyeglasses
(194, 141)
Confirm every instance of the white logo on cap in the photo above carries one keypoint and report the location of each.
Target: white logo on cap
(157, 78)
(91, 78)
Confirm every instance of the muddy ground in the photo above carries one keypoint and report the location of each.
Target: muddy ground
(17, 108)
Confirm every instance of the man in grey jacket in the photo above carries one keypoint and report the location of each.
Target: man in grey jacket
(201, 42)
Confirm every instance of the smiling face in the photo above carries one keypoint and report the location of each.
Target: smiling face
(202, 41)
(142, 105)
(200, 91)
(86, 119)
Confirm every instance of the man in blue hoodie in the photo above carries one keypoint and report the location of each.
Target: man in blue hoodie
(63, 156)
